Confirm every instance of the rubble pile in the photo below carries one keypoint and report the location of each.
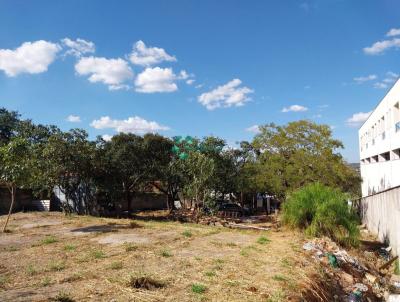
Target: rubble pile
(368, 277)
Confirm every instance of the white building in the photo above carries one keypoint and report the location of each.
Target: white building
(379, 141)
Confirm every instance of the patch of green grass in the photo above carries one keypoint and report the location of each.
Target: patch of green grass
(69, 247)
(187, 233)
(116, 265)
(210, 274)
(263, 240)
(198, 288)
(45, 282)
(49, 239)
(98, 254)
(63, 297)
(130, 247)
(166, 253)
(56, 266)
(279, 278)
(31, 270)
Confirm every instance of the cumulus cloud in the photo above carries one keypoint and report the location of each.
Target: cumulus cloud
(112, 72)
(30, 57)
(358, 118)
(381, 46)
(254, 129)
(294, 108)
(147, 56)
(78, 47)
(156, 80)
(367, 78)
(393, 32)
(229, 95)
(73, 118)
(133, 124)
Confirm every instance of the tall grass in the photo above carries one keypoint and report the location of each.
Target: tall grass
(322, 211)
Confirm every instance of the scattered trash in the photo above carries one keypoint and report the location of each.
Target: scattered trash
(355, 296)
(332, 260)
(393, 298)
(360, 287)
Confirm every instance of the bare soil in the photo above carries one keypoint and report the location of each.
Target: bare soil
(48, 255)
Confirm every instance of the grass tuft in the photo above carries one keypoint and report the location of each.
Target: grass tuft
(49, 239)
(198, 288)
(116, 265)
(263, 240)
(187, 233)
(69, 247)
(63, 297)
(130, 247)
(166, 253)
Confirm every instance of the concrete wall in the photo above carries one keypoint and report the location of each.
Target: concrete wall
(381, 214)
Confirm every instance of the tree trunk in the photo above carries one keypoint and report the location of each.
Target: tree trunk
(11, 207)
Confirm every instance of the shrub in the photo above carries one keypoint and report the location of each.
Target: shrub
(198, 288)
(322, 211)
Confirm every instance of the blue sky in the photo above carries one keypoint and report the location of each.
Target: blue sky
(198, 67)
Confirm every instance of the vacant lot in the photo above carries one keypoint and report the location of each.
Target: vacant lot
(50, 257)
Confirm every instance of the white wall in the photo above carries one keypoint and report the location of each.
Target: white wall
(377, 136)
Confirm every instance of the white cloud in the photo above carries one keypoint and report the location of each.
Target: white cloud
(156, 80)
(390, 78)
(227, 95)
(190, 81)
(73, 118)
(294, 108)
(358, 118)
(381, 46)
(30, 57)
(107, 137)
(78, 47)
(367, 78)
(133, 124)
(393, 32)
(253, 129)
(147, 56)
(112, 72)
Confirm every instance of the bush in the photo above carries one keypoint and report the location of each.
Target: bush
(322, 211)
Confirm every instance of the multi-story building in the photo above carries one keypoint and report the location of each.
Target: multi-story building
(380, 169)
(379, 142)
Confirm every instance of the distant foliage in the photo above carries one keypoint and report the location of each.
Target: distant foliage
(322, 211)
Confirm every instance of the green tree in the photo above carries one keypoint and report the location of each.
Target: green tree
(14, 168)
(9, 121)
(299, 153)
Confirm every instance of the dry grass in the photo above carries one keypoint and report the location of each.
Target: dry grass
(78, 258)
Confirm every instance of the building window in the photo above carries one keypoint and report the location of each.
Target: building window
(396, 154)
(384, 156)
(396, 117)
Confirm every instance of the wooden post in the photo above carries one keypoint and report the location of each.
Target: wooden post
(11, 207)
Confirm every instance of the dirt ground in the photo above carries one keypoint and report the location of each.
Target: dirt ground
(52, 257)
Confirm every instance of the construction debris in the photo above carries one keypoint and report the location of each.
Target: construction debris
(361, 278)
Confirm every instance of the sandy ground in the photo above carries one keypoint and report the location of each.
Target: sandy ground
(47, 256)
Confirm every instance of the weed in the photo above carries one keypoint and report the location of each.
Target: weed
(11, 248)
(232, 283)
(69, 247)
(277, 296)
(45, 282)
(279, 278)
(263, 240)
(31, 270)
(116, 265)
(130, 247)
(210, 274)
(74, 277)
(49, 239)
(56, 266)
(98, 254)
(166, 253)
(244, 253)
(198, 288)
(322, 211)
(286, 263)
(231, 244)
(187, 233)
